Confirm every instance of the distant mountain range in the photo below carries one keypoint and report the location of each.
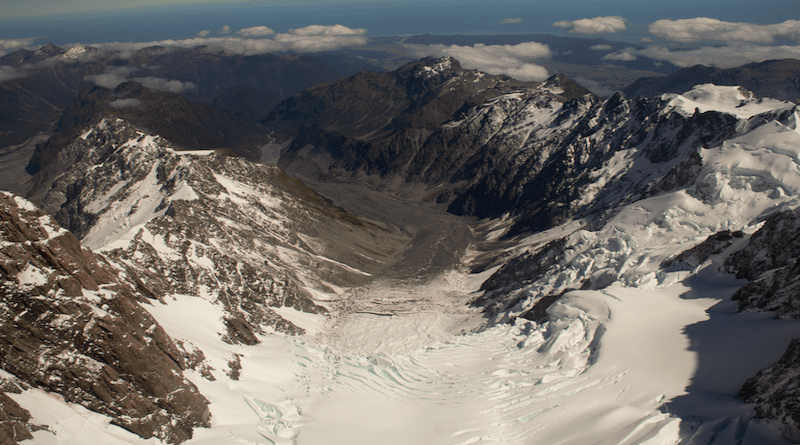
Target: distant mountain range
(779, 79)
(40, 84)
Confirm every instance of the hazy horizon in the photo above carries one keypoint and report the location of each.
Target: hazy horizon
(713, 33)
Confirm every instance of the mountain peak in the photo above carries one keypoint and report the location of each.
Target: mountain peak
(565, 87)
(80, 50)
(50, 50)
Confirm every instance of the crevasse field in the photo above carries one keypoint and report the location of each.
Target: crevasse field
(657, 357)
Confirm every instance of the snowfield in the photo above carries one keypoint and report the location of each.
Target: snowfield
(656, 357)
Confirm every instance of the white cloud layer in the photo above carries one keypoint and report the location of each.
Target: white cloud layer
(11, 45)
(125, 103)
(225, 30)
(256, 31)
(112, 77)
(9, 72)
(309, 39)
(598, 25)
(512, 60)
(729, 56)
(600, 47)
(626, 55)
(704, 28)
(510, 21)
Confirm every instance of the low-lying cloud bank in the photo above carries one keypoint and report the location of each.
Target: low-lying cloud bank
(599, 25)
(513, 60)
(112, 77)
(11, 45)
(309, 39)
(247, 41)
(704, 28)
(741, 42)
(721, 57)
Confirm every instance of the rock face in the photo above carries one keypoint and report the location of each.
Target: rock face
(779, 79)
(697, 255)
(13, 421)
(73, 325)
(771, 266)
(775, 393)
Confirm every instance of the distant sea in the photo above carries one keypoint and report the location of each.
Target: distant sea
(380, 18)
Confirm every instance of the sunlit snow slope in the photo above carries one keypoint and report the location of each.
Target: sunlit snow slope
(638, 348)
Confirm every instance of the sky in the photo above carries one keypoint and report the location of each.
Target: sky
(713, 32)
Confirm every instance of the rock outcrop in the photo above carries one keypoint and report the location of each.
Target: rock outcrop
(73, 325)
(771, 264)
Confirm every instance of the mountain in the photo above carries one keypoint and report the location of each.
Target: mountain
(340, 133)
(777, 79)
(186, 124)
(38, 85)
(471, 260)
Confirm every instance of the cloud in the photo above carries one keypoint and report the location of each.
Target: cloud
(598, 25)
(600, 47)
(322, 30)
(309, 39)
(169, 85)
(112, 77)
(704, 28)
(510, 21)
(8, 72)
(203, 33)
(125, 103)
(256, 31)
(225, 30)
(317, 38)
(595, 87)
(728, 56)
(626, 55)
(11, 45)
(512, 60)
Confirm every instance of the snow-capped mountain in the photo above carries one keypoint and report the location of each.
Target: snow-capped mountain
(591, 303)
(209, 224)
